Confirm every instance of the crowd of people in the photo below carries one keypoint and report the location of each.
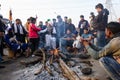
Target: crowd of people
(60, 34)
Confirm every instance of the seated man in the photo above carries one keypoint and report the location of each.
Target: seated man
(76, 43)
(86, 36)
(67, 40)
(12, 42)
(110, 54)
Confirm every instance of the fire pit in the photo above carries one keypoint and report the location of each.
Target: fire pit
(54, 68)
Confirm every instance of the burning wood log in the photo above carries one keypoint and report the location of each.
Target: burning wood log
(56, 52)
(30, 60)
(72, 50)
(51, 60)
(39, 71)
(67, 72)
(49, 71)
(44, 67)
(43, 61)
(38, 52)
(55, 55)
(56, 67)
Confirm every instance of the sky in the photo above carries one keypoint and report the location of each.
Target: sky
(48, 9)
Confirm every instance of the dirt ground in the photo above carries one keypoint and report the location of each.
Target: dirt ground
(13, 69)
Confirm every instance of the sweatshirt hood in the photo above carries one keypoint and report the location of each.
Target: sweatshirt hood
(105, 12)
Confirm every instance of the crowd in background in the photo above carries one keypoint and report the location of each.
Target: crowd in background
(57, 33)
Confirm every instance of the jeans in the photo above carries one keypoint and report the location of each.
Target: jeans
(101, 41)
(95, 41)
(42, 41)
(111, 66)
(34, 43)
(50, 42)
(41, 44)
(64, 43)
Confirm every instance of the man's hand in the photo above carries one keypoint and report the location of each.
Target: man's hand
(85, 42)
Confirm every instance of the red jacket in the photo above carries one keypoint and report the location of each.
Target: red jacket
(33, 31)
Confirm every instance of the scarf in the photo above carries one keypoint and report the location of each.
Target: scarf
(18, 29)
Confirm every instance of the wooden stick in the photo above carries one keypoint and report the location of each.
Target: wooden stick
(43, 66)
(69, 73)
(49, 70)
(39, 71)
(51, 60)
(43, 57)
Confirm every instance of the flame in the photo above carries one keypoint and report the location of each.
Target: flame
(56, 51)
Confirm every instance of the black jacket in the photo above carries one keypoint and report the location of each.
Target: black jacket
(18, 34)
(2, 26)
(101, 20)
(70, 27)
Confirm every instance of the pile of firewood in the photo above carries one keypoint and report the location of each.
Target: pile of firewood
(62, 67)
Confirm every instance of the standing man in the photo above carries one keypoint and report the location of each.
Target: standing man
(19, 31)
(54, 24)
(42, 35)
(83, 24)
(33, 35)
(66, 23)
(60, 29)
(100, 23)
(71, 26)
(92, 17)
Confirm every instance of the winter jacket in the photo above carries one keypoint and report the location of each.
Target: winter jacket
(101, 20)
(60, 29)
(109, 50)
(70, 27)
(17, 33)
(83, 24)
(33, 31)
